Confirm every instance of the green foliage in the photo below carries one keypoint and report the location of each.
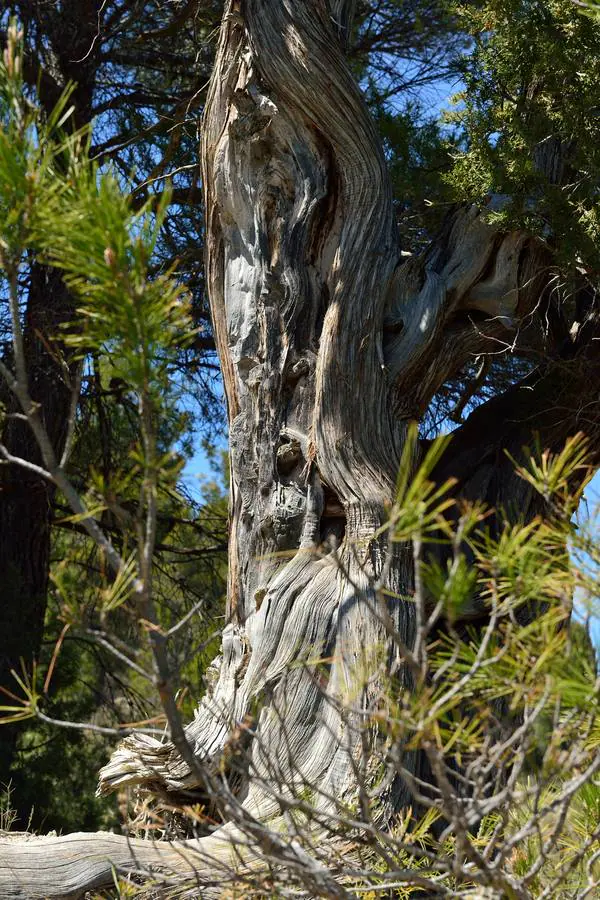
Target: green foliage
(511, 698)
(88, 229)
(419, 503)
(529, 116)
(55, 774)
(130, 436)
(418, 154)
(80, 220)
(31, 154)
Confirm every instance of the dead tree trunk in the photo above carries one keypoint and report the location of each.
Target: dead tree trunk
(330, 346)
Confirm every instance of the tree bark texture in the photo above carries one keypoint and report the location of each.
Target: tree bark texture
(302, 252)
(331, 344)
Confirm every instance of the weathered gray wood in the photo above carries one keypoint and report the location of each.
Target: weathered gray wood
(330, 342)
(34, 868)
(302, 252)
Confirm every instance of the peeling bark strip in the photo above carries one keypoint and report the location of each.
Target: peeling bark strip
(328, 346)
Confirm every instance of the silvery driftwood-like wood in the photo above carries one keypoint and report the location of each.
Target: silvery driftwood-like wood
(331, 342)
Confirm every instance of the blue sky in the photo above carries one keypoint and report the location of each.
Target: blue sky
(589, 511)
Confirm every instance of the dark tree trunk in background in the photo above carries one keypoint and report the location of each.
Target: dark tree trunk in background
(26, 502)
